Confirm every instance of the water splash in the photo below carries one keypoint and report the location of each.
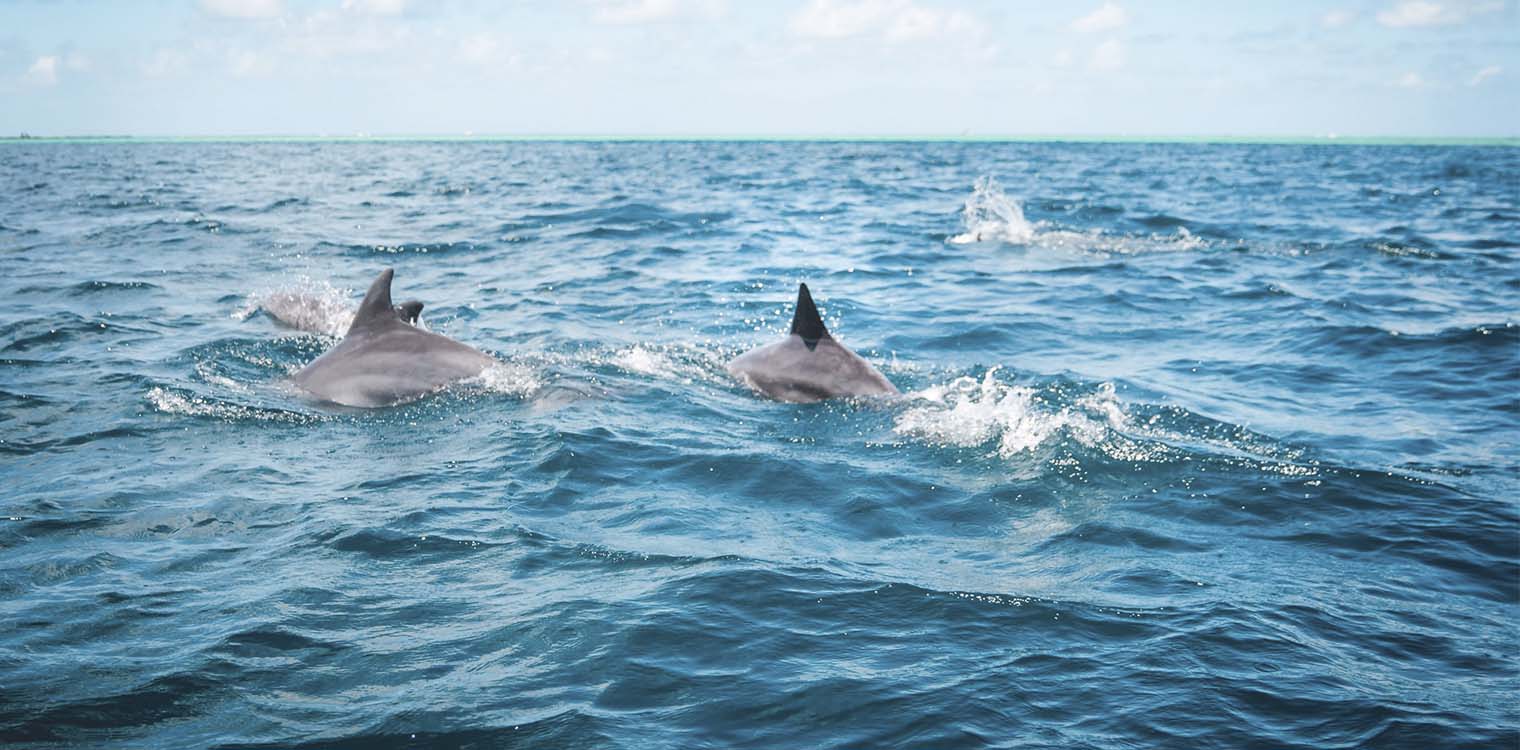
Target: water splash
(167, 401)
(991, 216)
(643, 360)
(969, 412)
(307, 305)
(685, 364)
(511, 378)
(1098, 242)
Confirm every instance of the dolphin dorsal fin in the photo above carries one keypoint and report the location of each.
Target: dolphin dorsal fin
(409, 311)
(376, 307)
(806, 321)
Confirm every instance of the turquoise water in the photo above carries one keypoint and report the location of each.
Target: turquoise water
(1203, 445)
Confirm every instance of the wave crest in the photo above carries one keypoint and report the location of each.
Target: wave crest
(168, 401)
(969, 412)
(510, 378)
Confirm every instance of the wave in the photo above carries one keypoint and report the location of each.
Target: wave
(683, 363)
(1074, 427)
(642, 214)
(42, 332)
(179, 403)
(970, 412)
(93, 287)
(511, 378)
(364, 250)
(1497, 341)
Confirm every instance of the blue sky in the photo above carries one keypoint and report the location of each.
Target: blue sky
(735, 67)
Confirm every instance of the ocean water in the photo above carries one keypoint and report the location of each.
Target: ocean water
(1206, 446)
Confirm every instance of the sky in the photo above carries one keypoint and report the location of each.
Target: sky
(981, 68)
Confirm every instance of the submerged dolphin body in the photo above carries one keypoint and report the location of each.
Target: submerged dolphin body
(808, 365)
(383, 360)
(315, 313)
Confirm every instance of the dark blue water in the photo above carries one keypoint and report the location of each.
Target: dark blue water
(1207, 446)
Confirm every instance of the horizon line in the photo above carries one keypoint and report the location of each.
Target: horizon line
(1505, 140)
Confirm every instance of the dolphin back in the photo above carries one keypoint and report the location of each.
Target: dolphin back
(382, 360)
(808, 365)
(790, 370)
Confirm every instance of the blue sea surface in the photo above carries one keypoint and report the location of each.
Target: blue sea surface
(1200, 445)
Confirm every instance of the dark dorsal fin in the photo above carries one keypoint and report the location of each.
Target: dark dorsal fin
(409, 311)
(806, 322)
(376, 307)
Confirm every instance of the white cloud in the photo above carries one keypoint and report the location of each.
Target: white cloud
(246, 63)
(1410, 80)
(1109, 55)
(333, 33)
(244, 8)
(376, 7)
(1062, 58)
(1415, 13)
(913, 22)
(1336, 19)
(480, 49)
(488, 50)
(1485, 74)
(1423, 13)
(827, 19)
(357, 32)
(638, 11)
(165, 61)
(44, 72)
(1107, 17)
(628, 12)
(893, 20)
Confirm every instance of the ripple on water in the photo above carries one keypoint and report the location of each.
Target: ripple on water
(1199, 445)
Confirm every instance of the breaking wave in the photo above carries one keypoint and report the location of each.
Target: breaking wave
(970, 412)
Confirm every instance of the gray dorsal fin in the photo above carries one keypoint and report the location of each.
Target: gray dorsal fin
(409, 311)
(806, 321)
(376, 307)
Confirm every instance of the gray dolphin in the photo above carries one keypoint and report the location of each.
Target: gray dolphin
(409, 311)
(808, 365)
(383, 360)
(316, 314)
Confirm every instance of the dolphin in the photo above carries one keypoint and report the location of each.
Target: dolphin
(317, 314)
(383, 360)
(409, 311)
(808, 365)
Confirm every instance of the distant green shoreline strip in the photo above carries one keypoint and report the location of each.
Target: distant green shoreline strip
(1264, 140)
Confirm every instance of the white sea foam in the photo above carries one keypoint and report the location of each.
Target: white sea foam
(510, 378)
(171, 402)
(643, 360)
(1095, 241)
(991, 216)
(207, 372)
(686, 364)
(967, 412)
